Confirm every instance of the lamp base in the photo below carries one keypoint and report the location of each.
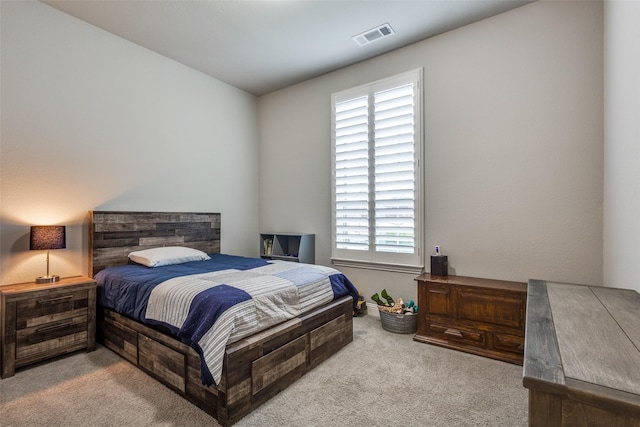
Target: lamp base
(47, 279)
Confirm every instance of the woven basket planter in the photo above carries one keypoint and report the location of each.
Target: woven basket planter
(399, 323)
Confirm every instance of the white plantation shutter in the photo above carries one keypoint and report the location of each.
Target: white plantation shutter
(352, 174)
(376, 178)
(394, 170)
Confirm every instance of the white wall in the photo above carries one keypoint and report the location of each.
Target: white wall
(622, 144)
(93, 122)
(514, 141)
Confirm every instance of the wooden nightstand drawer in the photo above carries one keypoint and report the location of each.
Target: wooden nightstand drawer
(46, 310)
(40, 321)
(48, 339)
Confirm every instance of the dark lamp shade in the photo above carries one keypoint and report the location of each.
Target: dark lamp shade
(45, 237)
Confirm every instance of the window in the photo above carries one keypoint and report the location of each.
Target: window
(376, 191)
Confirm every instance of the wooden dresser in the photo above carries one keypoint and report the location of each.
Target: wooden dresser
(582, 357)
(40, 321)
(480, 316)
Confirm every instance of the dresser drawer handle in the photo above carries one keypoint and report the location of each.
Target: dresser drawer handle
(52, 300)
(54, 327)
(453, 332)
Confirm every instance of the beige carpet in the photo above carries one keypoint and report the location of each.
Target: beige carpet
(381, 379)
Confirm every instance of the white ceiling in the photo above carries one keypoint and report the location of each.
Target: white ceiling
(265, 45)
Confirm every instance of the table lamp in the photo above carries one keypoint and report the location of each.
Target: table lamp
(47, 237)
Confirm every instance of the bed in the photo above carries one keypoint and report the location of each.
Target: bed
(254, 366)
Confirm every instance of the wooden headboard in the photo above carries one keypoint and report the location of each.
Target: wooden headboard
(113, 235)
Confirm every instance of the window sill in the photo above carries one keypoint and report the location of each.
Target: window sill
(396, 268)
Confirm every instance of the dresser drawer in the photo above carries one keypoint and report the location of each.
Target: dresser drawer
(458, 334)
(511, 343)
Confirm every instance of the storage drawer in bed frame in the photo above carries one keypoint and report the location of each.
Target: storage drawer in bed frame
(255, 368)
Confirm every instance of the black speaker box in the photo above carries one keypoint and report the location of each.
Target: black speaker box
(439, 265)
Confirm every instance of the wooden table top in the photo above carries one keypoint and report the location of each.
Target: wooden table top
(583, 339)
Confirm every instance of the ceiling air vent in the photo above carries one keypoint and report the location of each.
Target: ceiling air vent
(373, 34)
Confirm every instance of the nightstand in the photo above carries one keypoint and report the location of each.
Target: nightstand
(41, 321)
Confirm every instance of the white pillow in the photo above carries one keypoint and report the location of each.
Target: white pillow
(167, 255)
